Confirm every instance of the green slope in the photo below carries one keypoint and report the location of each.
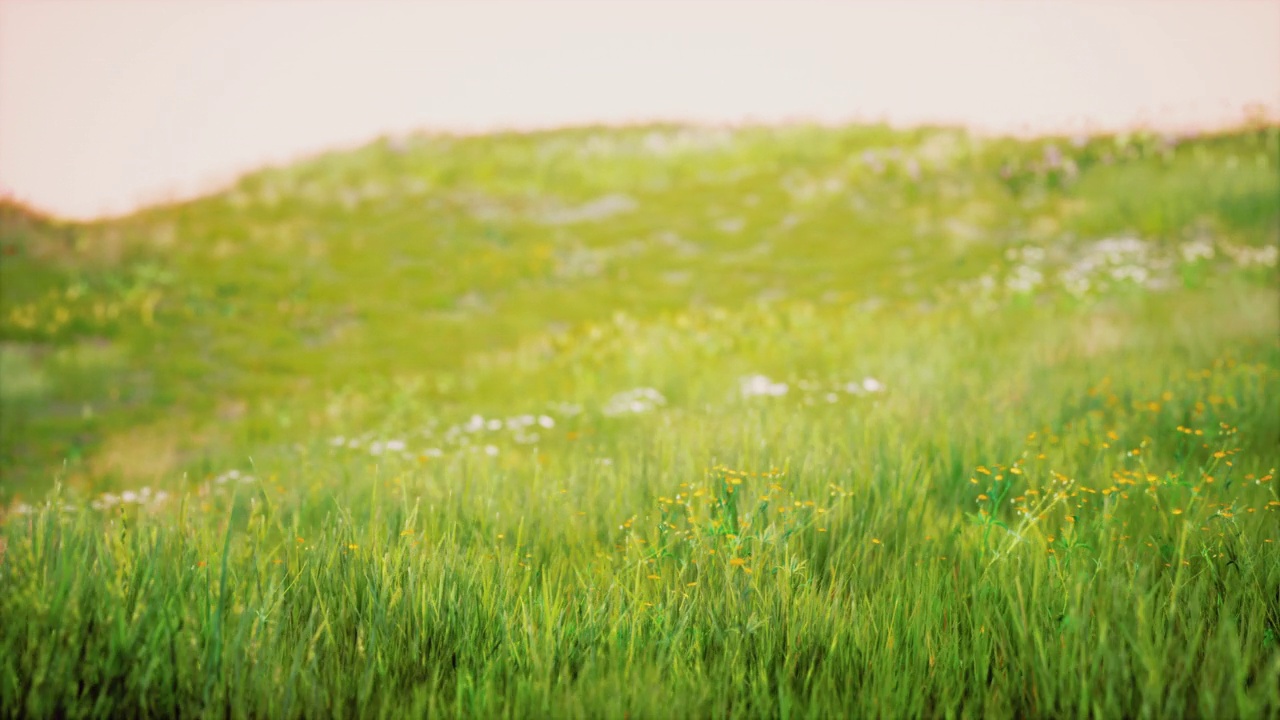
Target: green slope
(409, 258)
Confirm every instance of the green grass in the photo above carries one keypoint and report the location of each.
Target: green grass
(655, 422)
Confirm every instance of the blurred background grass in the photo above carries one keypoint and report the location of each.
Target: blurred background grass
(189, 328)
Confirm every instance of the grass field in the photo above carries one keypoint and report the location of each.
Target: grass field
(655, 422)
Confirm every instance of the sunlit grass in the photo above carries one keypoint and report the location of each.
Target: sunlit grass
(800, 423)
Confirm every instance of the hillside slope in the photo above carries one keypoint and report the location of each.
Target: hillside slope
(655, 422)
(177, 331)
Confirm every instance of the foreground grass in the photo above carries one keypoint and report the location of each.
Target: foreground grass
(989, 460)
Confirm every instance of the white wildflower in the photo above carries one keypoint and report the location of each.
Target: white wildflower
(1024, 279)
(757, 385)
(639, 400)
(1198, 250)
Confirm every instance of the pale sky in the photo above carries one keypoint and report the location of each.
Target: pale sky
(110, 104)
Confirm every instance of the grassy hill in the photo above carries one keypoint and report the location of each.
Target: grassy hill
(775, 421)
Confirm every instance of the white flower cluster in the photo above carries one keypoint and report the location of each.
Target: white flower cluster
(1245, 256)
(1197, 250)
(1027, 276)
(1119, 260)
(761, 386)
(755, 385)
(476, 433)
(868, 385)
(1024, 279)
(633, 402)
(144, 497)
(230, 476)
(1124, 261)
(25, 509)
(522, 428)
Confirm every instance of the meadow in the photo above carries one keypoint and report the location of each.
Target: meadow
(661, 421)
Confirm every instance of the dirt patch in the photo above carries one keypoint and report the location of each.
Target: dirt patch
(143, 453)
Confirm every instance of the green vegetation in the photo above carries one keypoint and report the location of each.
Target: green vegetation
(655, 422)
